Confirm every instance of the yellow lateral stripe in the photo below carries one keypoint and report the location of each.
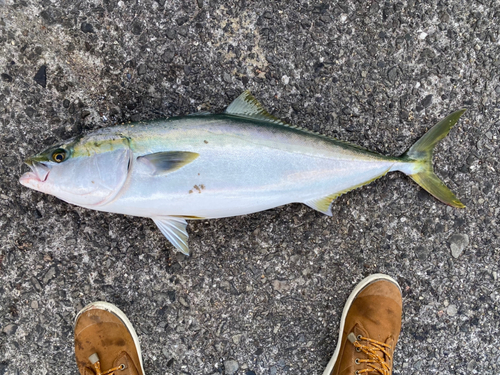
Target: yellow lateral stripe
(92, 147)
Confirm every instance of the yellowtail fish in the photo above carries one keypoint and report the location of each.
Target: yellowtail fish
(218, 165)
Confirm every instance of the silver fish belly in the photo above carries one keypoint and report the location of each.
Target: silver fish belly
(211, 166)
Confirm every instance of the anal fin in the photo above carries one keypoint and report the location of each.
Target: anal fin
(323, 204)
(174, 228)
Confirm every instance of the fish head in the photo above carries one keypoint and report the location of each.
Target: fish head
(86, 171)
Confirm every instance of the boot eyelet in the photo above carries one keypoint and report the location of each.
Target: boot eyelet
(358, 337)
(122, 367)
(358, 350)
(357, 361)
(356, 373)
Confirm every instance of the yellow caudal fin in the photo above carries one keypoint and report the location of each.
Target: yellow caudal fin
(430, 182)
(421, 152)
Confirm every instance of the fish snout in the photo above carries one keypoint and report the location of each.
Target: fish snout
(38, 174)
(40, 169)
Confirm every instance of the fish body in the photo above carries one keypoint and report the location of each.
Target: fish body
(242, 167)
(210, 166)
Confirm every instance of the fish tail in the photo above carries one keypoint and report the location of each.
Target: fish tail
(421, 155)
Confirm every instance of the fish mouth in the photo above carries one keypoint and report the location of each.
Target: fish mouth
(39, 173)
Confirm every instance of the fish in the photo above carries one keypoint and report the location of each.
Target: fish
(205, 166)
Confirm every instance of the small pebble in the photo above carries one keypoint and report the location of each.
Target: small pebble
(86, 27)
(471, 365)
(30, 111)
(141, 69)
(51, 273)
(10, 329)
(392, 74)
(171, 34)
(458, 242)
(237, 338)
(136, 28)
(451, 310)
(227, 78)
(280, 286)
(183, 302)
(36, 284)
(41, 76)
(6, 77)
(182, 20)
(427, 101)
(230, 367)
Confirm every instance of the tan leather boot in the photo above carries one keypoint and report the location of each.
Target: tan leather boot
(369, 328)
(106, 342)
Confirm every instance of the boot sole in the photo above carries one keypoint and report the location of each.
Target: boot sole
(357, 289)
(100, 305)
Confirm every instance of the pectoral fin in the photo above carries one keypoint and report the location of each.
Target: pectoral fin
(166, 162)
(174, 228)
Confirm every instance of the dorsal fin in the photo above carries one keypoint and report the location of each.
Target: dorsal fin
(247, 106)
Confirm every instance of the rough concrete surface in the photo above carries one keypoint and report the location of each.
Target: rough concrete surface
(261, 294)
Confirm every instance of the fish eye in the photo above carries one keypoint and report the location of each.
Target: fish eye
(59, 155)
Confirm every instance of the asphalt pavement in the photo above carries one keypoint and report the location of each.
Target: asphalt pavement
(263, 293)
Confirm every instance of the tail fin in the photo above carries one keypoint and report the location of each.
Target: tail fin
(421, 152)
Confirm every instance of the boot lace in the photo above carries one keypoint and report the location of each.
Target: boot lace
(377, 353)
(94, 359)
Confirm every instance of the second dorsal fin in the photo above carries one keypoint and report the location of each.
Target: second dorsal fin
(247, 106)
